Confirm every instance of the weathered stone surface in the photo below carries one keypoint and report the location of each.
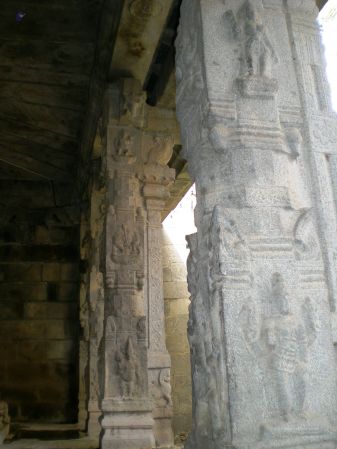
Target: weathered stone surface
(4, 421)
(251, 100)
(176, 317)
(39, 315)
(123, 306)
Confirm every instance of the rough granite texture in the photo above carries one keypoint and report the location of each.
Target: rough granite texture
(259, 136)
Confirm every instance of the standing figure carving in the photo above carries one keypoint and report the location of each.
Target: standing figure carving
(126, 244)
(259, 53)
(127, 369)
(280, 343)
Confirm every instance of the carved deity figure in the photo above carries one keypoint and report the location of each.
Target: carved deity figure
(165, 385)
(259, 53)
(281, 344)
(127, 369)
(4, 421)
(124, 145)
(159, 151)
(125, 243)
(204, 360)
(161, 389)
(205, 356)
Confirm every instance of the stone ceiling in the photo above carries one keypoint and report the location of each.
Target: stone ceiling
(50, 54)
(46, 56)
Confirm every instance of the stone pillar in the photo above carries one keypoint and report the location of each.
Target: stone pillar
(252, 101)
(96, 299)
(127, 409)
(137, 365)
(84, 321)
(156, 177)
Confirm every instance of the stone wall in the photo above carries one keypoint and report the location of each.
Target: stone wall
(38, 301)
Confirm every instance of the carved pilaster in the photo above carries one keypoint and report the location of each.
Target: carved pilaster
(127, 409)
(156, 178)
(96, 300)
(84, 321)
(260, 273)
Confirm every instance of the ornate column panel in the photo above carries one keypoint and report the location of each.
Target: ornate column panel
(260, 268)
(126, 406)
(156, 178)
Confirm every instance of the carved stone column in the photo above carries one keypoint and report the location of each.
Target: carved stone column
(156, 177)
(84, 320)
(127, 408)
(251, 101)
(96, 299)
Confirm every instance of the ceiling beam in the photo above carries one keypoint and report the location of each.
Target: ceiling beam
(162, 63)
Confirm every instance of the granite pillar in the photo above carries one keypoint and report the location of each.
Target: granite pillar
(253, 107)
(96, 298)
(156, 177)
(136, 401)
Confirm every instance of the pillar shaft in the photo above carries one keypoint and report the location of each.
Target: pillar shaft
(251, 100)
(156, 179)
(96, 299)
(136, 404)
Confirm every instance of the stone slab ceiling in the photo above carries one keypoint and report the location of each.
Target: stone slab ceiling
(46, 58)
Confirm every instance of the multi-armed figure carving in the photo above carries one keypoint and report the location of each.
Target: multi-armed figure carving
(280, 342)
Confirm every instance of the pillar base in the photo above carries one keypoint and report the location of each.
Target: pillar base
(159, 372)
(94, 428)
(309, 441)
(127, 425)
(163, 433)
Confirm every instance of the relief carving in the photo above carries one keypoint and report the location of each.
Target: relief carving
(205, 356)
(161, 389)
(294, 142)
(280, 343)
(305, 240)
(123, 145)
(231, 242)
(159, 150)
(188, 67)
(257, 53)
(125, 245)
(128, 369)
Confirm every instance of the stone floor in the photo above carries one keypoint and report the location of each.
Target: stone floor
(81, 443)
(54, 436)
